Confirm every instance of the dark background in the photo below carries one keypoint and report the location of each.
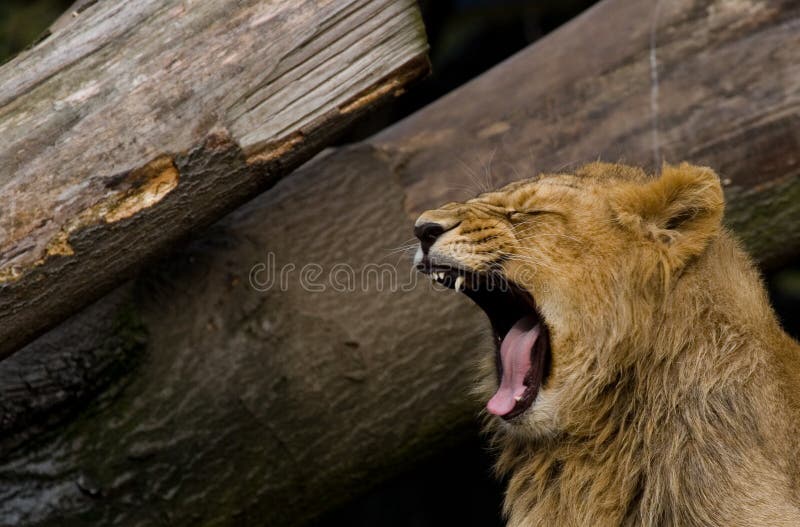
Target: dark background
(467, 37)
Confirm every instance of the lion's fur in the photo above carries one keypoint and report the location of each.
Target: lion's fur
(674, 395)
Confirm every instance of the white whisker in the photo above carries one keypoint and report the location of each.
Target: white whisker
(472, 175)
(488, 171)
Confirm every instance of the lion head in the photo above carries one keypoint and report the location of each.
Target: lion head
(571, 270)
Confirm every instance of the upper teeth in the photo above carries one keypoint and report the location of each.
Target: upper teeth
(458, 285)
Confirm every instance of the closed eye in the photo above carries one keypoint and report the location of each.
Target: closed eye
(520, 219)
(516, 215)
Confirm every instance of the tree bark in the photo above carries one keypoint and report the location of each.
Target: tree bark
(136, 122)
(269, 404)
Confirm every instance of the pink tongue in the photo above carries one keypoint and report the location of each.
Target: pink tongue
(515, 354)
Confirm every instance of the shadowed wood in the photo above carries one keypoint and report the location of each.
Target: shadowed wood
(114, 127)
(274, 404)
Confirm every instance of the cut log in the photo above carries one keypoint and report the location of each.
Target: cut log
(135, 122)
(269, 405)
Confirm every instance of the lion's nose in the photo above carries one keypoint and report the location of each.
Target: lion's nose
(428, 232)
(431, 224)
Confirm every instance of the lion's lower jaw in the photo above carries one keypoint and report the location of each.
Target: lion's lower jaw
(540, 422)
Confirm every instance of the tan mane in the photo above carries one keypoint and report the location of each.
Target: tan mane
(667, 430)
(674, 395)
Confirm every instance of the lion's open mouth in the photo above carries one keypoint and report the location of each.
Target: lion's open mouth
(521, 336)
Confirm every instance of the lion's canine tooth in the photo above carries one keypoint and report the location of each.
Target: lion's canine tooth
(518, 398)
(459, 282)
(440, 275)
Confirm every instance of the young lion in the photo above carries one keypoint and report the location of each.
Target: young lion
(640, 376)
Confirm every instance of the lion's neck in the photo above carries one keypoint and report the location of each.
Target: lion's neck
(673, 432)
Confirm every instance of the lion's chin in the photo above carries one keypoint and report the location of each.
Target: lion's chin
(522, 355)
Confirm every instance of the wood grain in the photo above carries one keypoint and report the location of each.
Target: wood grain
(135, 122)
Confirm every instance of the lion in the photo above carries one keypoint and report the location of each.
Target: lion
(640, 376)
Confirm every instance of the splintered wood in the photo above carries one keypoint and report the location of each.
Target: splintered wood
(231, 95)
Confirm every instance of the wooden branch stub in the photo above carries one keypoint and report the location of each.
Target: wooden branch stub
(135, 122)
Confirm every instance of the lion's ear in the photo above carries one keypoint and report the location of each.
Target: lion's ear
(680, 211)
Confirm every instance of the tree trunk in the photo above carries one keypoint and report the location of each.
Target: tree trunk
(271, 403)
(135, 122)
